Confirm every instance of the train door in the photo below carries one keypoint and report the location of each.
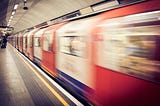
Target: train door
(73, 56)
(30, 43)
(48, 49)
(37, 53)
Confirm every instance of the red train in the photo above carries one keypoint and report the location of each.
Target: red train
(112, 59)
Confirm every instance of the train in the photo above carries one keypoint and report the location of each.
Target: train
(111, 58)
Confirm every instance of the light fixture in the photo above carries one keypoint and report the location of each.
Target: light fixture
(11, 17)
(25, 6)
(13, 12)
(16, 6)
(8, 24)
(9, 20)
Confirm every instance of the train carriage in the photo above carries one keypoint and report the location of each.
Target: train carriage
(37, 51)
(30, 43)
(49, 49)
(74, 61)
(126, 55)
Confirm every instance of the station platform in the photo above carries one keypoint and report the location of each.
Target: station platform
(23, 84)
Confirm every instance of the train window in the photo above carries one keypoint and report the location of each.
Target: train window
(37, 42)
(47, 42)
(73, 45)
(46, 45)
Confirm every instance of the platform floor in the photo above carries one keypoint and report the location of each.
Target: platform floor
(22, 85)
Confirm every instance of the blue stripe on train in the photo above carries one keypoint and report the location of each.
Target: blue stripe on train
(74, 84)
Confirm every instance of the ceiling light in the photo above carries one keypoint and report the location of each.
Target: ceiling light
(25, 6)
(11, 17)
(13, 12)
(16, 6)
(8, 24)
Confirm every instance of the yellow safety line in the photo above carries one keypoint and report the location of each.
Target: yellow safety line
(48, 86)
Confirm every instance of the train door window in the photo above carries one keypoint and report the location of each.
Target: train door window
(73, 45)
(47, 42)
(37, 42)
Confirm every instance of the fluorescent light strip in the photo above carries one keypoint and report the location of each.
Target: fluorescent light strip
(11, 17)
(15, 6)
(13, 12)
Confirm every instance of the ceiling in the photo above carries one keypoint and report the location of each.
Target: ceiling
(3, 11)
(39, 11)
(44, 11)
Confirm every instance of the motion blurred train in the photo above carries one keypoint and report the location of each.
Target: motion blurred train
(111, 58)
